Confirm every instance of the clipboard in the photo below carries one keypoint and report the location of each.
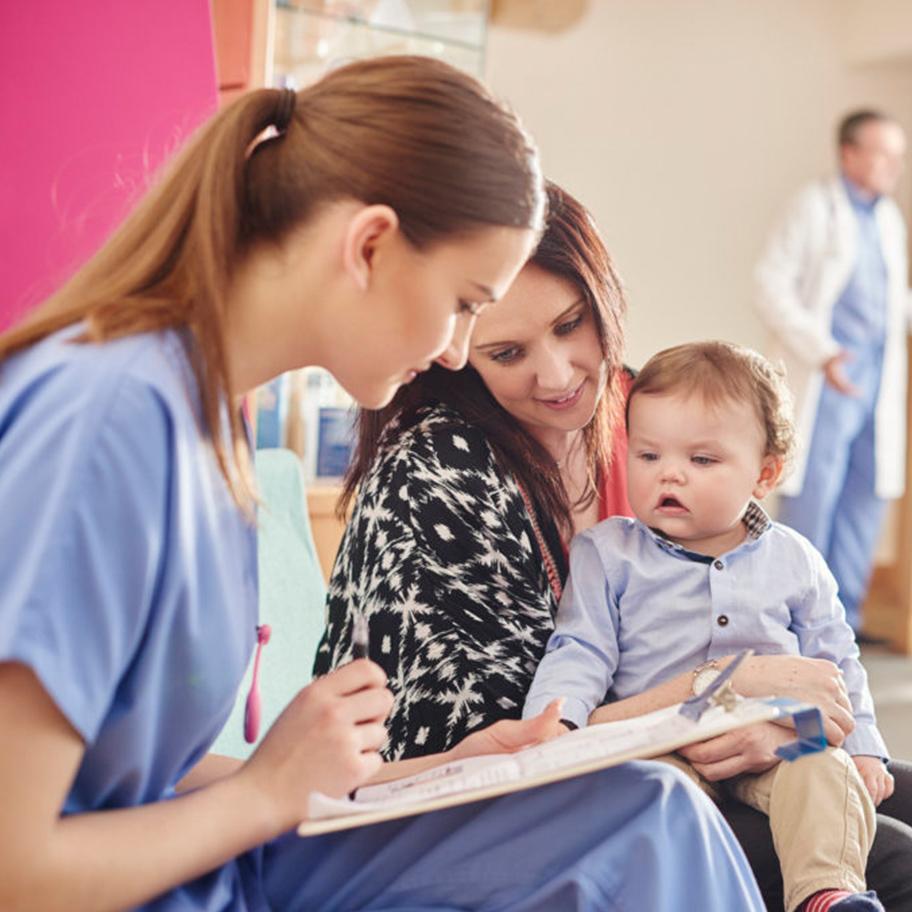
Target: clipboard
(574, 754)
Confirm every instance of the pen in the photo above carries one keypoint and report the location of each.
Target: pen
(359, 637)
(359, 651)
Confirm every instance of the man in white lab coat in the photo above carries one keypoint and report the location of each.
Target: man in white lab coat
(833, 292)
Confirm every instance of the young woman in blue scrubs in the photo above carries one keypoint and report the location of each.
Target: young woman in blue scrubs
(384, 208)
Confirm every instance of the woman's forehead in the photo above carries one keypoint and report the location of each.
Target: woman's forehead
(531, 305)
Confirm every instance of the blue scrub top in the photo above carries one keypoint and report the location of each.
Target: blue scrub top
(859, 321)
(128, 573)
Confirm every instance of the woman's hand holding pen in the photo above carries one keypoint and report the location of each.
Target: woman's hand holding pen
(326, 740)
(815, 681)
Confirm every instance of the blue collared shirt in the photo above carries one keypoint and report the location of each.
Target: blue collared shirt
(860, 314)
(639, 609)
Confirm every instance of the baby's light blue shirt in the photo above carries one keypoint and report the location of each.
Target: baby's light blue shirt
(639, 609)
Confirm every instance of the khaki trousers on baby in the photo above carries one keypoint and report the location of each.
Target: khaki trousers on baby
(821, 817)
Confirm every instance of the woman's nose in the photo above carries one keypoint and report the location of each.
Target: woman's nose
(554, 372)
(457, 352)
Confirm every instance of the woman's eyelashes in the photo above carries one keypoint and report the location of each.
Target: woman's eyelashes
(515, 352)
(507, 355)
(563, 329)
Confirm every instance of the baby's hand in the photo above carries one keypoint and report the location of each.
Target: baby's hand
(876, 776)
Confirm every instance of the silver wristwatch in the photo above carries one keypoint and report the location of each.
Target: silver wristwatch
(703, 675)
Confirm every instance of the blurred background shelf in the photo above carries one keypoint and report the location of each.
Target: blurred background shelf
(327, 529)
(312, 36)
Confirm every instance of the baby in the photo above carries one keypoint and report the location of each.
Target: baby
(702, 573)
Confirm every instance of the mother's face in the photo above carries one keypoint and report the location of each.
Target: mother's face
(538, 352)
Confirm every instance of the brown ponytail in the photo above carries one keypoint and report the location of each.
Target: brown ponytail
(410, 132)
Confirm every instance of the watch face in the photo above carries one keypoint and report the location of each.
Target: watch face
(704, 678)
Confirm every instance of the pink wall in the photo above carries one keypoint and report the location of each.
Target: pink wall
(94, 95)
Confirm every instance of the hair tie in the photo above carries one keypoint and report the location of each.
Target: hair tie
(284, 109)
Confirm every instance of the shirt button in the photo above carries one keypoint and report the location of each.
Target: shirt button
(719, 565)
(722, 620)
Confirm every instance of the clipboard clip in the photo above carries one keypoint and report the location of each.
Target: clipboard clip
(808, 722)
(719, 693)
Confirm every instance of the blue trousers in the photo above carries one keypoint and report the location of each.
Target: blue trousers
(635, 837)
(837, 508)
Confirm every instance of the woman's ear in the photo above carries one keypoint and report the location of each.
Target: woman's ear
(368, 231)
(770, 473)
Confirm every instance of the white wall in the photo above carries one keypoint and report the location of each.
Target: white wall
(685, 125)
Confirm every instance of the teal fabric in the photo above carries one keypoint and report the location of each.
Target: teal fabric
(292, 595)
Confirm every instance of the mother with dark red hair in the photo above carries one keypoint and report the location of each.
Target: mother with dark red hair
(466, 491)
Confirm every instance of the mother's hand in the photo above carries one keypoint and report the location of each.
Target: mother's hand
(510, 735)
(504, 737)
(751, 749)
(815, 681)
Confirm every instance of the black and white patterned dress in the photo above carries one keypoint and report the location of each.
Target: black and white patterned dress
(441, 557)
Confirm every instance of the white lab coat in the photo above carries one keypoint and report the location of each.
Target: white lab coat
(803, 271)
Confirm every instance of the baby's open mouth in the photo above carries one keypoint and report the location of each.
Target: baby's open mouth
(670, 502)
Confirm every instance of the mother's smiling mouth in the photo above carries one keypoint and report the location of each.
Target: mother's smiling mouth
(564, 400)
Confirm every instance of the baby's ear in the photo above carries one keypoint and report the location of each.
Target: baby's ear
(770, 473)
